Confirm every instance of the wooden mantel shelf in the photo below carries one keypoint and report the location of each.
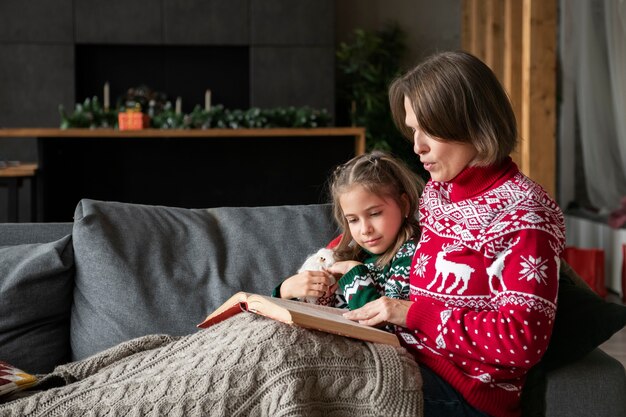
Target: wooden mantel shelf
(357, 132)
(147, 133)
(191, 168)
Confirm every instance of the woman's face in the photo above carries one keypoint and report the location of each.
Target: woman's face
(443, 160)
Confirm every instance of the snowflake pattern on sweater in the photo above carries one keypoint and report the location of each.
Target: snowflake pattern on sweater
(484, 281)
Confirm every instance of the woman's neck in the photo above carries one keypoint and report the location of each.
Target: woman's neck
(475, 180)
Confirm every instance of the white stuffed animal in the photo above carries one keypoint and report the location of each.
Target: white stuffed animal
(322, 259)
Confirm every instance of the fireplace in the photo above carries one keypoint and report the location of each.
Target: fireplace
(183, 168)
(248, 53)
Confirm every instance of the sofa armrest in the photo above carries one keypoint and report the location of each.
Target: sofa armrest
(593, 386)
(25, 233)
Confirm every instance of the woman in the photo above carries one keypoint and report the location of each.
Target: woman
(484, 278)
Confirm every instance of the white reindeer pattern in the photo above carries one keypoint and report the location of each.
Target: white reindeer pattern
(445, 267)
(499, 250)
(557, 259)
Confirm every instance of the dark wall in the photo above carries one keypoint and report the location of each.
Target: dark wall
(291, 52)
(179, 71)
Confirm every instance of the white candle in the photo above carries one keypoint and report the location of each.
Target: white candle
(207, 100)
(179, 105)
(106, 96)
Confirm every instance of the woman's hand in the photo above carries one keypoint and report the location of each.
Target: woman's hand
(308, 284)
(381, 311)
(342, 267)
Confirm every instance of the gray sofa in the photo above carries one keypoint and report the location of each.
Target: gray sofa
(120, 271)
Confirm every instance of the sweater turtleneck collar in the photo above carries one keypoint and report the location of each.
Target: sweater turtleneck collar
(473, 181)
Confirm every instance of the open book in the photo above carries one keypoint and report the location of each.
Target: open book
(310, 316)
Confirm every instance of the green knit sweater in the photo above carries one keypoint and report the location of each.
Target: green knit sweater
(367, 282)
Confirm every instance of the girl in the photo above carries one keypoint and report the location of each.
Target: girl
(484, 277)
(374, 199)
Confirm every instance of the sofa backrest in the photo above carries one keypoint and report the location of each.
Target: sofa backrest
(152, 269)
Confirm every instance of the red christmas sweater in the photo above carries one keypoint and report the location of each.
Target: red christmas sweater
(484, 280)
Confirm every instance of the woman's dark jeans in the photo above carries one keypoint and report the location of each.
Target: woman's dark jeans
(441, 400)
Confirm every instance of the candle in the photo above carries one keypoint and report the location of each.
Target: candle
(179, 105)
(207, 100)
(106, 96)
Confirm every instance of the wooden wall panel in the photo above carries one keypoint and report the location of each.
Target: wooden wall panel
(539, 91)
(479, 21)
(517, 39)
(513, 61)
(494, 36)
(467, 26)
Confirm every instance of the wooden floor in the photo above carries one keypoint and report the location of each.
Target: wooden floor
(616, 345)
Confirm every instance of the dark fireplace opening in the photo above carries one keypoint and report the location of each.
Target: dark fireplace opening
(181, 170)
(178, 71)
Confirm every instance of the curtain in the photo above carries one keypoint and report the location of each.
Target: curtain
(593, 64)
(615, 15)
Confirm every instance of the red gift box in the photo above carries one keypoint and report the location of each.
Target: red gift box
(589, 264)
(132, 120)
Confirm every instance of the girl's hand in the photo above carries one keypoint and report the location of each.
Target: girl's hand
(307, 284)
(342, 267)
(381, 311)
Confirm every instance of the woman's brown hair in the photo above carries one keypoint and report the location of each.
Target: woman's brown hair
(456, 97)
(386, 176)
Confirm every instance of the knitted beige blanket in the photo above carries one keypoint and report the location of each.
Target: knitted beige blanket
(245, 366)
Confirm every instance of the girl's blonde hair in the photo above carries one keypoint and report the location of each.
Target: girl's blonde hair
(387, 177)
(456, 97)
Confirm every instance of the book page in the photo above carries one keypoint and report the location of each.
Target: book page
(305, 315)
(323, 312)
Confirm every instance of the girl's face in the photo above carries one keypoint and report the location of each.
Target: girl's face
(374, 221)
(444, 160)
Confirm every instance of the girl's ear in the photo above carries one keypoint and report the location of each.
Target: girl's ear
(405, 205)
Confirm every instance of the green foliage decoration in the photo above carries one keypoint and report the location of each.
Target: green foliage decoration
(366, 66)
(90, 114)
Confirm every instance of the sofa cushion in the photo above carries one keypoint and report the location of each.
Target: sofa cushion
(583, 321)
(593, 386)
(151, 269)
(36, 282)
